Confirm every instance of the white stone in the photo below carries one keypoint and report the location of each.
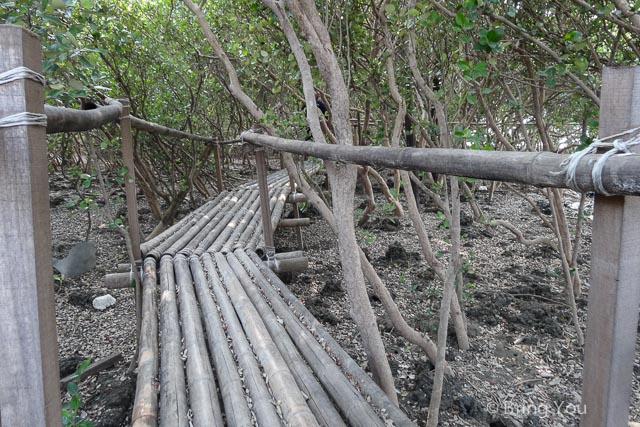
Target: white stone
(100, 303)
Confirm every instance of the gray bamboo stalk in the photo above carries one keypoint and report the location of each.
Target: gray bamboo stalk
(216, 225)
(235, 222)
(188, 219)
(353, 405)
(365, 383)
(145, 407)
(223, 215)
(318, 401)
(236, 409)
(226, 224)
(260, 395)
(156, 248)
(203, 396)
(173, 392)
(282, 382)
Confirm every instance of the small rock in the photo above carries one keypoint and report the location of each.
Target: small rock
(100, 303)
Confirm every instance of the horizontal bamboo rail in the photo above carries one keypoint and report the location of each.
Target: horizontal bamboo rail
(620, 175)
(61, 119)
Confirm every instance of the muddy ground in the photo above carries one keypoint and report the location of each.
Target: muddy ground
(523, 369)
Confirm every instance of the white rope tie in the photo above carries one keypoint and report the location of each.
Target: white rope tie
(617, 147)
(24, 118)
(19, 73)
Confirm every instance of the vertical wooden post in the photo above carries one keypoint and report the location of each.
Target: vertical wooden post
(296, 214)
(130, 179)
(217, 160)
(263, 188)
(29, 379)
(614, 295)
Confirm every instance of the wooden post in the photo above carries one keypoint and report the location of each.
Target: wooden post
(29, 379)
(263, 188)
(614, 294)
(216, 158)
(296, 214)
(130, 179)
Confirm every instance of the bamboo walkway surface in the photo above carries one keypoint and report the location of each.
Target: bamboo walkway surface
(224, 342)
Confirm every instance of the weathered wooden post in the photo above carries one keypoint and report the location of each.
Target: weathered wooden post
(29, 379)
(216, 158)
(130, 178)
(263, 188)
(296, 214)
(614, 295)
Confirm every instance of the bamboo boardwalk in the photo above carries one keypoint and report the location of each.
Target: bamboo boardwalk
(224, 342)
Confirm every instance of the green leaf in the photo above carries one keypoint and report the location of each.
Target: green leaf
(472, 99)
(389, 8)
(72, 388)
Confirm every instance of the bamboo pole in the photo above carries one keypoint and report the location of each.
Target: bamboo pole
(236, 409)
(203, 396)
(218, 225)
(318, 400)
(211, 228)
(190, 218)
(260, 396)
(351, 402)
(250, 229)
(145, 407)
(540, 169)
(190, 228)
(348, 365)
(173, 391)
(281, 381)
(29, 379)
(234, 222)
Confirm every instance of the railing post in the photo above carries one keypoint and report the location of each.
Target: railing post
(296, 214)
(29, 379)
(263, 188)
(217, 160)
(614, 294)
(130, 179)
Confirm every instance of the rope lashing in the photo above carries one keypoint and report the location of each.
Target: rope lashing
(24, 118)
(19, 73)
(617, 147)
